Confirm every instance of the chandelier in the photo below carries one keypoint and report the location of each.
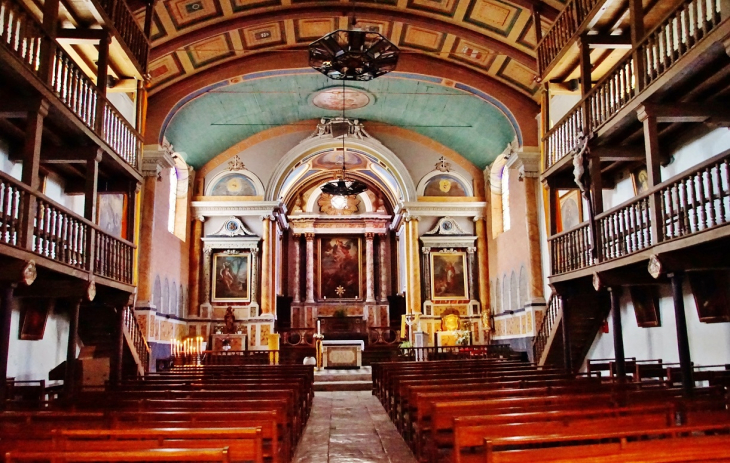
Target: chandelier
(353, 55)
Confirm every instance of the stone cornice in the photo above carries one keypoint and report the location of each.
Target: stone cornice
(443, 209)
(233, 208)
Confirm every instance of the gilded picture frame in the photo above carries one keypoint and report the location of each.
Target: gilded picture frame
(340, 268)
(571, 210)
(449, 276)
(231, 279)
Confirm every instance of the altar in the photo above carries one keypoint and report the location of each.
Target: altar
(224, 342)
(342, 354)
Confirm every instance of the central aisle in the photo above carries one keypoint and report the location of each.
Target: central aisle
(350, 427)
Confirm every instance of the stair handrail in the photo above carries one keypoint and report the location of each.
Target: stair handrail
(550, 321)
(138, 341)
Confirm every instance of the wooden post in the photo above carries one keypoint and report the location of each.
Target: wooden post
(116, 373)
(69, 383)
(7, 312)
(102, 72)
(567, 358)
(651, 146)
(618, 334)
(31, 165)
(636, 23)
(48, 42)
(685, 360)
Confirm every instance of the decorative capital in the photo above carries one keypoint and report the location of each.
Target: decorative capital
(471, 250)
(477, 218)
(156, 159)
(369, 235)
(207, 250)
(425, 250)
(200, 218)
(309, 236)
(296, 235)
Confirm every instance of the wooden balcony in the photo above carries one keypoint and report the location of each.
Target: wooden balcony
(34, 68)
(685, 45)
(689, 209)
(31, 224)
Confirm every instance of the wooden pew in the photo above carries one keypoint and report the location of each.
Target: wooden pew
(167, 455)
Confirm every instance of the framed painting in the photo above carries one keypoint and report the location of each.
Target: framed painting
(448, 276)
(712, 297)
(340, 268)
(646, 306)
(111, 214)
(571, 210)
(34, 319)
(640, 179)
(231, 277)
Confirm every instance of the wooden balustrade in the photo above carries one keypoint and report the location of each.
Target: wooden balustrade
(568, 23)
(297, 337)
(61, 235)
(128, 28)
(571, 250)
(554, 308)
(564, 137)
(624, 230)
(677, 34)
(22, 34)
(138, 339)
(692, 202)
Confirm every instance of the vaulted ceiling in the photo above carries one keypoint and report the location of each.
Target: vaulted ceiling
(197, 43)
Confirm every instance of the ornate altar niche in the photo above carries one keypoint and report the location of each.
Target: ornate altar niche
(321, 245)
(230, 278)
(449, 277)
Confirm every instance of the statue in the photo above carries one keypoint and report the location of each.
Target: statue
(230, 321)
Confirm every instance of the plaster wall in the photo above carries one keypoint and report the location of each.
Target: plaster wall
(124, 105)
(32, 360)
(560, 105)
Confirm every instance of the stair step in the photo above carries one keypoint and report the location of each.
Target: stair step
(343, 386)
(327, 378)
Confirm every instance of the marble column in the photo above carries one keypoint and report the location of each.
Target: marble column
(266, 250)
(414, 270)
(206, 274)
(194, 270)
(427, 271)
(310, 268)
(482, 257)
(533, 232)
(369, 271)
(470, 276)
(297, 263)
(254, 279)
(383, 271)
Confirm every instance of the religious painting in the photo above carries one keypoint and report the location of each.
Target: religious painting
(111, 214)
(444, 185)
(448, 275)
(712, 297)
(34, 319)
(234, 185)
(646, 306)
(231, 277)
(571, 210)
(340, 268)
(640, 179)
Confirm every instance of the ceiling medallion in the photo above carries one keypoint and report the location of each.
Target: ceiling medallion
(353, 55)
(334, 100)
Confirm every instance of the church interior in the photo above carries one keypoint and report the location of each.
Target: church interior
(207, 205)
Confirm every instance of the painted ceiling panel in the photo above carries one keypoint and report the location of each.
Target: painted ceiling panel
(218, 119)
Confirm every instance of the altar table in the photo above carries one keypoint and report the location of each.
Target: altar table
(342, 354)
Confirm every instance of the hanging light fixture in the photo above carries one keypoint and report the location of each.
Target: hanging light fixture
(353, 55)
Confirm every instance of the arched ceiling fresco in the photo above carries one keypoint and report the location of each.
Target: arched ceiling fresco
(494, 39)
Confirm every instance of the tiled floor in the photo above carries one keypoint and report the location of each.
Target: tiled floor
(350, 427)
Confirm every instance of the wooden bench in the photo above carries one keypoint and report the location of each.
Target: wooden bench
(167, 455)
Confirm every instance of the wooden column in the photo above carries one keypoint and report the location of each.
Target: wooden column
(48, 42)
(116, 372)
(567, 358)
(31, 165)
(69, 383)
(636, 24)
(196, 251)
(7, 312)
(651, 145)
(480, 226)
(685, 360)
(310, 268)
(369, 268)
(266, 251)
(102, 73)
(297, 286)
(618, 334)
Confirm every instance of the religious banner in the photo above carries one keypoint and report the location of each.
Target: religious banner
(340, 268)
(231, 277)
(448, 275)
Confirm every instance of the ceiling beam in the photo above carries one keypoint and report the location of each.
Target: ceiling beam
(608, 41)
(619, 153)
(716, 113)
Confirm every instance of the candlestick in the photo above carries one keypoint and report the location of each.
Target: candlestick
(319, 327)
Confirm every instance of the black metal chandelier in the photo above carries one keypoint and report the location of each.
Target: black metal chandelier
(353, 55)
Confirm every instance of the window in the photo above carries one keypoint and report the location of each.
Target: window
(173, 201)
(505, 199)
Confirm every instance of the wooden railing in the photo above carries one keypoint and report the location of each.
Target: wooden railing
(677, 34)
(571, 250)
(549, 323)
(689, 203)
(297, 337)
(567, 25)
(22, 35)
(383, 335)
(625, 229)
(138, 341)
(59, 234)
(128, 29)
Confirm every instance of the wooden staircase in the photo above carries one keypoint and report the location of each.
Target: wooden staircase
(587, 309)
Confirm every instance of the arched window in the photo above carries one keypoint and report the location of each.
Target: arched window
(497, 297)
(157, 294)
(505, 293)
(523, 286)
(513, 293)
(173, 201)
(181, 303)
(165, 297)
(505, 199)
(172, 306)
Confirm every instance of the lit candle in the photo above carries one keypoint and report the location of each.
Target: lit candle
(318, 326)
